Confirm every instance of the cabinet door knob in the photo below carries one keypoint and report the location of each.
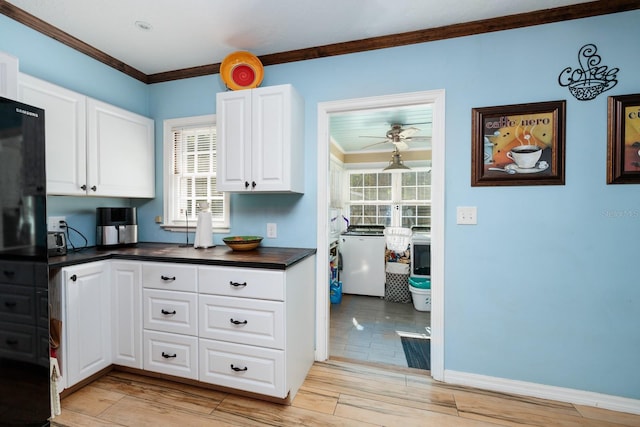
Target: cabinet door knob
(168, 356)
(168, 279)
(253, 184)
(235, 368)
(73, 278)
(165, 312)
(246, 184)
(83, 187)
(238, 322)
(237, 285)
(94, 188)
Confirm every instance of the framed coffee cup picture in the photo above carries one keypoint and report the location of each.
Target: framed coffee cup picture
(623, 139)
(520, 144)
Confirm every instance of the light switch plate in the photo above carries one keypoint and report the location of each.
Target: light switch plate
(467, 215)
(272, 230)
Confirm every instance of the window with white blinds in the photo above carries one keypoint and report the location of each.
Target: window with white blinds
(190, 173)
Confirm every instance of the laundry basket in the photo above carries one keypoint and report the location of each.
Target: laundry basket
(397, 238)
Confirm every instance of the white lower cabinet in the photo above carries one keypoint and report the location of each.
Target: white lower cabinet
(87, 320)
(171, 354)
(256, 327)
(243, 367)
(242, 320)
(126, 325)
(249, 329)
(170, 313)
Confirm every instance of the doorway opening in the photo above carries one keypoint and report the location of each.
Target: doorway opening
(325, 110)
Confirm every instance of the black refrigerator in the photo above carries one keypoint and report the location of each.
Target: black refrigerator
(24, 296)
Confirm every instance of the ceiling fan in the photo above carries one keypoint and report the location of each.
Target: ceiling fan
(398, 136)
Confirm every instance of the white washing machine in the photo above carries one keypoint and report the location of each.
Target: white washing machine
(362, 252)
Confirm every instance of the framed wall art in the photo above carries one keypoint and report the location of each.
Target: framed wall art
(623, 139)
(520, 144)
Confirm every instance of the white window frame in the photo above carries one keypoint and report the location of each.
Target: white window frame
(396, 203)
(179, 224)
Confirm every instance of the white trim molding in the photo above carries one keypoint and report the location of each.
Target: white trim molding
(437, 99)
(560, 394)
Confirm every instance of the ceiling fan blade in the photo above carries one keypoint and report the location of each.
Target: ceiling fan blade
(408, 132)
(368, 136)
(401, 145)
(374, 144)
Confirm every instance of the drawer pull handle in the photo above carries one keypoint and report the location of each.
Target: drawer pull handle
(168, 356)
(73, 278)
(13, 341)
(165, 312)
(168, 279)
(237, 285)
(238, 322)
(10, 304)
(9, 273)
(235, 368)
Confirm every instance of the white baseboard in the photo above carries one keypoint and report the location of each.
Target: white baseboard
(579, 397)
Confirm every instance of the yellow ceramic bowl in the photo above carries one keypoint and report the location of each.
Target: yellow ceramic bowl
(241, 70)
(242, 243)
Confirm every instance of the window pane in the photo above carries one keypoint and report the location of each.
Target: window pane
(384, 193)
(384, 179)
(370, 180)
(371, 194)
(356, 180)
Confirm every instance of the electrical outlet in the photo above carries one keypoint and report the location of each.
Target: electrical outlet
(53, 223)
(467, 215)
(272, 230)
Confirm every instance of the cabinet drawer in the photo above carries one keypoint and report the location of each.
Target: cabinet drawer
(242, 320)
(18, 341)
(169, 276)
(16, 273)
(254, 369)
(170, 311)
(242, 282)
(17, 304)
(171, 354)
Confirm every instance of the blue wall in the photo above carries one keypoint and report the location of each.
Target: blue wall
(544, 288)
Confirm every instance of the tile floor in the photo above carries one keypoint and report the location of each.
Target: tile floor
(366, 329)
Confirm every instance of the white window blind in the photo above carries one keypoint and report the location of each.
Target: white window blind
(192, 174)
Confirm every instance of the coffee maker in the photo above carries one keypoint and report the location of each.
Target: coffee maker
(116, 227)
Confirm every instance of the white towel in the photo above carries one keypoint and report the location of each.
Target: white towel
(204, 234)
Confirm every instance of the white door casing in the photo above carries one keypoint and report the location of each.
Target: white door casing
(325, 109)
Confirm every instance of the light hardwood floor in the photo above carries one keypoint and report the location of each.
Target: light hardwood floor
(335, 393)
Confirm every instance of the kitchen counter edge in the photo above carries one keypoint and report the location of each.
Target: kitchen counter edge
(274, 258)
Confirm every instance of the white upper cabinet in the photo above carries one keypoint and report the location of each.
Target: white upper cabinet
(65, 133)
(92, 148)
(260, 140)
(120, 152)
(8, 76)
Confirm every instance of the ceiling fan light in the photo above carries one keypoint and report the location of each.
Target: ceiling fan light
(395, 163)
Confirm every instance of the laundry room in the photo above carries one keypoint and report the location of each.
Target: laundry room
(380, 235)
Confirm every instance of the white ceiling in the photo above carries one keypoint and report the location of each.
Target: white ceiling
(191, 33)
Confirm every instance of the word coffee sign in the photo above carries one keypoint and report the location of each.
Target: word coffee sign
(591, 78)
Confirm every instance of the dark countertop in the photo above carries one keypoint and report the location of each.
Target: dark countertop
(262, 257)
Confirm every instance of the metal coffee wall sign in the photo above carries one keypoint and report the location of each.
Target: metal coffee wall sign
(590, 78)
